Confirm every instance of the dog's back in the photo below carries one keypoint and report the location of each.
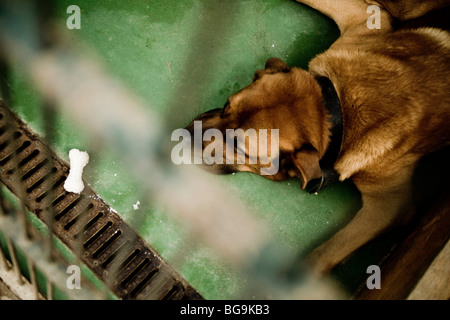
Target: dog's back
(403, 77)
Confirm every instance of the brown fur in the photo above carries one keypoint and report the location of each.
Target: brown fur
(394, 93)
(410, 9)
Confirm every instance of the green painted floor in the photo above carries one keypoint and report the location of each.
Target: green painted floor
(183, 58)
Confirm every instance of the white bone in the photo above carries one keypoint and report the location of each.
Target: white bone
(78, 160)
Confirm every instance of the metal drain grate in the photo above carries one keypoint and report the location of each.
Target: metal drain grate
(84, 222)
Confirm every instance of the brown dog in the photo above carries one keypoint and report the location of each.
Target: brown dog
(367, 109)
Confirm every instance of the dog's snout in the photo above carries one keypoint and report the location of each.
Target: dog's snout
(206, 119)
(208, 115)
(190, 127)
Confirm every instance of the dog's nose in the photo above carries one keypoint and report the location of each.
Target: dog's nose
(190, 127)
(205, 120)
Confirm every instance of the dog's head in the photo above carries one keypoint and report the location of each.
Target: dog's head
(275, 127)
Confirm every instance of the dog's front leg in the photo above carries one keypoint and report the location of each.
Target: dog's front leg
(350, 15)
(381, 210)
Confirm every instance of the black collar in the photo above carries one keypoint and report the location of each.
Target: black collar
(331, 102)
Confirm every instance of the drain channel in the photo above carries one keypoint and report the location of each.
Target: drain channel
(109, 246)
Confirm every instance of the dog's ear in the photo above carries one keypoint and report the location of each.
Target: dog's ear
(273, 65)
(307, 162)
(276, 65)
